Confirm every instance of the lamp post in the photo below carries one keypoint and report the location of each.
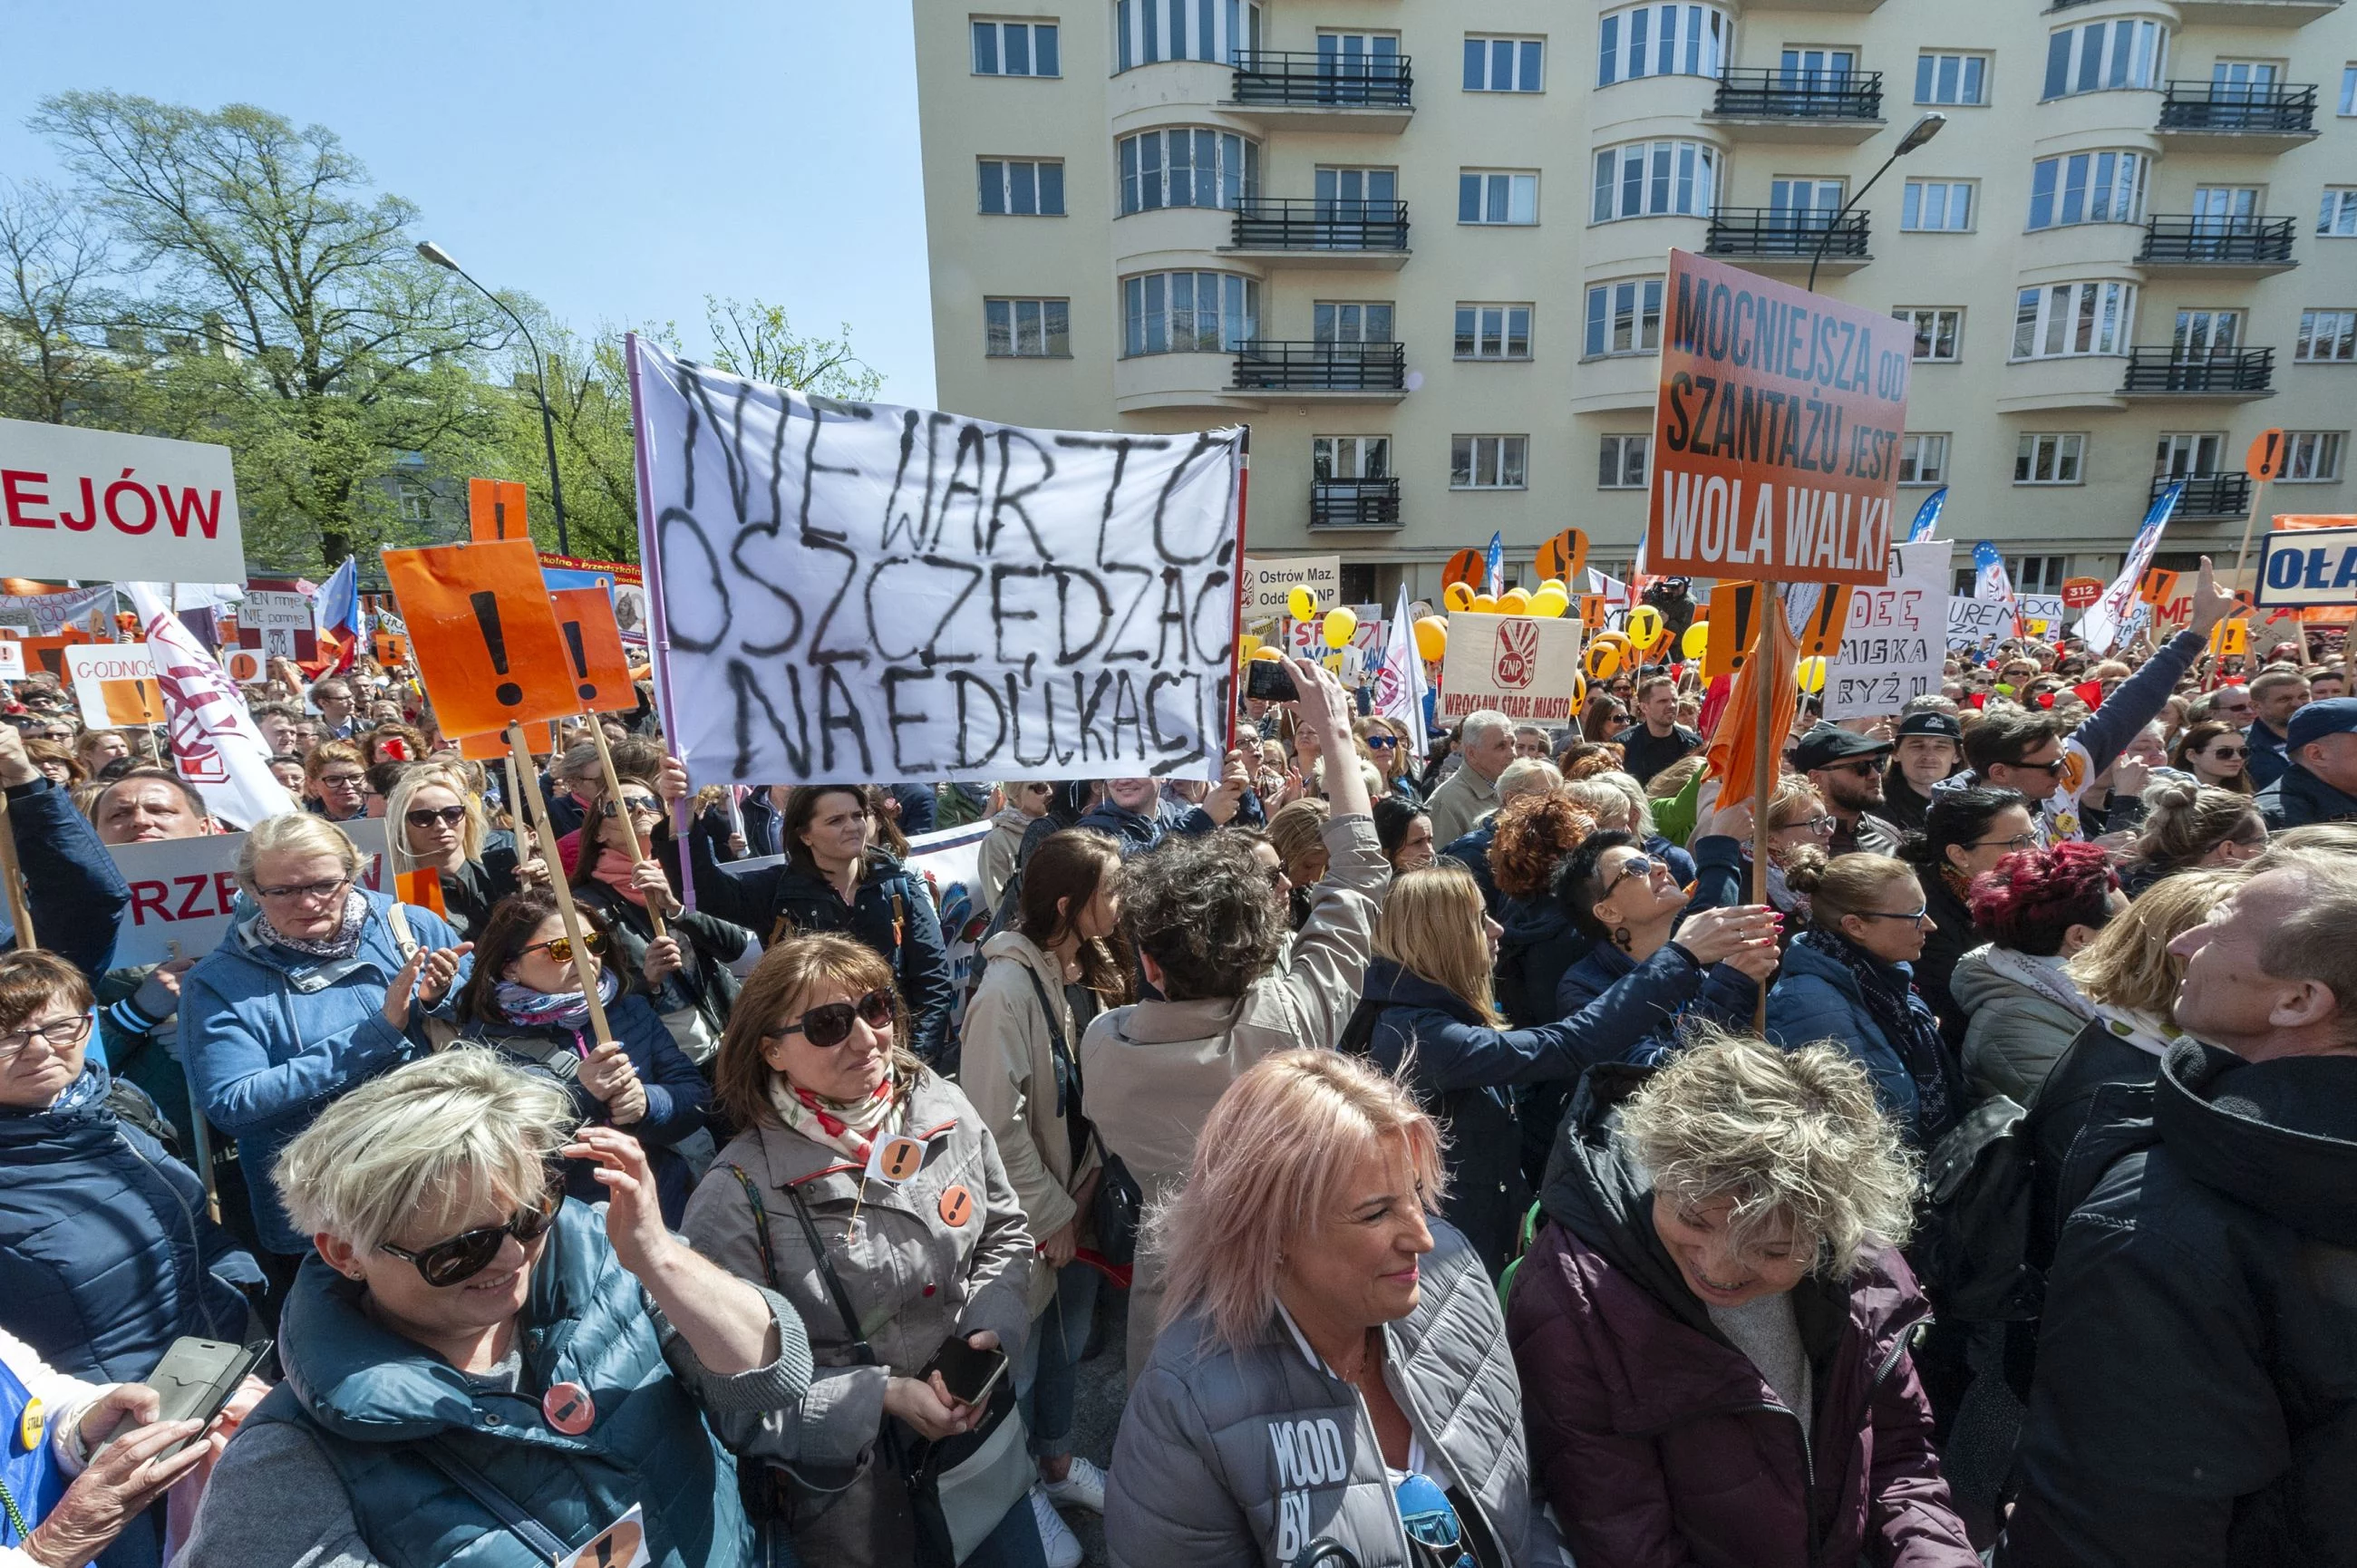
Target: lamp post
(1922, 131)
(442, 258)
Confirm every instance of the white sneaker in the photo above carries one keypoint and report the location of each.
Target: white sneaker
(1083, 1488)
(1063, 1547)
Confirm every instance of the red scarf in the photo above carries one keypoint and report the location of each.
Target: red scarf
(616, 869)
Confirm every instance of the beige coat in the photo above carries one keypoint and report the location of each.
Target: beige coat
(1463, 799)
(994, 862)
(1008, 1069)
(1154, 1070)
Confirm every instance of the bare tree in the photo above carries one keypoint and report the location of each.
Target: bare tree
(55, 306)
(755, 340)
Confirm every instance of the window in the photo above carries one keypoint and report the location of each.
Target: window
(1939, 332)
(1015, 48)
(2349, 90)
(1922, 459)
(1351, 321)
(416, 500)
(1663, 39)
(2105, 55)
(1188, 169)
(1952, 78)
(2050, 460)
(1625, 317)
(2339, 215)
(2087, 188)
(1936, 205)
(1225, 32)
(1504, 65)
(2073, 319)
(1497, 198)
(1188, 313)
(1020, 188)
(1028, 328)
(1338, 458)
(1488, 462)
(2327, 337)
(1648, 179)
(2200, 333)
(2311, 457)
(1620, 462)
(2189, 455)
(1803, 70)
(1493, 331)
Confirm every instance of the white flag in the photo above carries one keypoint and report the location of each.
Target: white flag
(215, 745)
(1399, 679)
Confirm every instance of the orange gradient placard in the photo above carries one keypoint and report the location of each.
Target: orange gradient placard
(601, 671)
(541, 739)
(495, 510)
(484, 634)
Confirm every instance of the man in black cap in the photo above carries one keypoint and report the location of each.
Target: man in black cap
(2321, 783)
(1848, 768)
(1928, 748)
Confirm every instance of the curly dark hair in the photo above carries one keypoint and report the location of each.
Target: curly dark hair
(1201, 909)
(2035, 895)
(1534, 832)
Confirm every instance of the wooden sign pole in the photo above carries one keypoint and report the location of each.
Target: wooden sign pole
(19, 910)
(1763, 767)
(585, 965)
(613, 803)
(519, 819)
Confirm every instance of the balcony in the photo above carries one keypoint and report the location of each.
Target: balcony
(1851, 6)
(1299, 90)
(1323, 372)
(1770, 238)
(1299, 231)
(1827, 109)
(2217, 247)
(2266, 118)
(1354, 503)
(2211, 375)
(2209, 496)
(2255, 13)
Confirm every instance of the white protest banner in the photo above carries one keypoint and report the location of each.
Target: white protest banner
(277, 622)
(2101, 625)
(1972, 622)
(1269, 582)
(1399, 677)
(215, 745)
(2044, 609)
(184, 890)
(1517, 665)
(79, 503)
(113, 683)
(89, 610)
(1895, 645)
(12, 658)
(846, 592)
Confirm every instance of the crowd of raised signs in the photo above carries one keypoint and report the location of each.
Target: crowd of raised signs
(1441, 1159)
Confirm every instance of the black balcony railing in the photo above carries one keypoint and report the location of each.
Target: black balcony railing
(1770, 95)
(1295, 223)
(2220, 240)
(1321, 367)
(2283, 109)
(1354, 503)
(2199, 370)
(2209, 495)
(1296, 78)
(1777, 231)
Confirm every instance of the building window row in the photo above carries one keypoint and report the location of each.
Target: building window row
(1498, 197)
(2066, 319)
(1188, 168)
(2327, 337)
(1188, 313)
(2087, 188)
(1624, 317)
(1015, 48)
(1646, 179)
(1663, 39)
(1223, 32)
(1489, 462)
(2105, 56)
(1028, 328)
(1504, 65)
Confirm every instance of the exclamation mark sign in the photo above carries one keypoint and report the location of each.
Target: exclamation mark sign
(587, 689)
(500, 520)
(495, 642)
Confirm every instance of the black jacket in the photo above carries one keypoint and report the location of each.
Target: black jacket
(2299, 798)
(1951, 937)
(2196, 1397)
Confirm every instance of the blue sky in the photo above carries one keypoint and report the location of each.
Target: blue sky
(618, 162)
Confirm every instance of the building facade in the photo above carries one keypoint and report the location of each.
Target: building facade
(1417, 245)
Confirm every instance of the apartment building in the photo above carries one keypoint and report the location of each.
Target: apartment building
(1417, 246)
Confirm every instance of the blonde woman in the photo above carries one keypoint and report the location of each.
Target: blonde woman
(1331, 1383)
(1428, 1005)
(1385, 742)
(437, 824)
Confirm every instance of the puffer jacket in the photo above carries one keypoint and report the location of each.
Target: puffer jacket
(1254, 1454)
(1538, 942)
(2018, 1030)
(1658, 1441)
(106, 1252)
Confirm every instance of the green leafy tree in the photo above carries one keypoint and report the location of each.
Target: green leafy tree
(755, 340)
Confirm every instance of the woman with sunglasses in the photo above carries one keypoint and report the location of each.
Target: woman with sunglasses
(437, 824)
(483, 1370)
(867, 1191)
(526, 1001)
(1965, 834)
(1383, 743)
(2216, 754)
(317, 986)
(1846, 981)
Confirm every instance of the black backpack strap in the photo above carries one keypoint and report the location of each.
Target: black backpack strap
(512, 1515)
(834, 1290)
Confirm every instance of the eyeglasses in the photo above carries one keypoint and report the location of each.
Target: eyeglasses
(637, 805)
(1644, 865)
(829, 1024)
(62, 1035)
(561, 948)
(2017, 842)
(1819, 826)
(427, 816)
(309, 892)
(1913, 918)
(1275, 877)
(470, 1252)
(343, 780)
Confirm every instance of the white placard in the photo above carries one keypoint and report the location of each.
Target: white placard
(1269, 582)
(83, 503)
(1895, 646)
(847, 592)
(183, 890)
(1972, 622)
(1517, 665)
(92, 666)
(2307, 567)
(12, 658)
(89, 610)
(277, 616)
(2046, 607)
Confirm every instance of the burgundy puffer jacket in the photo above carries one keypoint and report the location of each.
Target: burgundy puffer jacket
(1659, 1443)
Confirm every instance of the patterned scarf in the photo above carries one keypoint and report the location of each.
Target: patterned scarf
(1887, 993)
(849, 1130)
(532, 1009)
(2152, 1035)
(343, 944)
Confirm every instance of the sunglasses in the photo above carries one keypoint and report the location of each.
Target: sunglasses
(561, 948)
(828, 1025)
(427, 816)
(637, 805)
(2054, 768)
(1380, 742)
(2017, 842)
(1865, 766)
(1644, 865)
(2229, 753)
(1912, 917)
(470, 1252)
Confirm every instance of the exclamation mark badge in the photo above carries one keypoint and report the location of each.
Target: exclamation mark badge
(495, 642)
(587, 689)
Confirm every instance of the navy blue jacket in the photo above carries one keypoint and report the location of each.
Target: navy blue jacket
(1538, 943)
(1471, 851)
(1137, 833)
(918, 808)
(2270, 754)
(1645, 1003)
(72, 887)
(1815, 998)
(2299, 798)
(106, 1254)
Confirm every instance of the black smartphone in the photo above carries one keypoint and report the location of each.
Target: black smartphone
(197, 1378)
(1271, 679)
(969, 1374)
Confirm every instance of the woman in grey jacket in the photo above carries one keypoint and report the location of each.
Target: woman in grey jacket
(1332, 1383)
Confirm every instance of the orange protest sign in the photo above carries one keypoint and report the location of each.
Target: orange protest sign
(1776, 432)
(484, 634)
(540, 738)
(2265, 460)
(2157, 588)
(585, 617)
(1563, 555)
(1821, 637)
(1592, 611)
(1733, 628)
(1467, 566)
(495, 510)
(392, 648)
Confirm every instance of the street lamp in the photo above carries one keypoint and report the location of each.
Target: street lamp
(1922, 131)
(442, 258)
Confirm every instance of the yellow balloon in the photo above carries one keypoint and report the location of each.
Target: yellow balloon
(1515, 602)
(1549, 602)
(1302, 601)
(1268, 654)
(1457, 596)
(1483, 605)
(1603, 661)
(1697, 639)
(1432, 637)
(1557, 584)
(1578, 693)
(1644, 626)
(1811, 675)
(1341, 625)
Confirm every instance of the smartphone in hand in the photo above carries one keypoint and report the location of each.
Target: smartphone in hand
(971, 1375)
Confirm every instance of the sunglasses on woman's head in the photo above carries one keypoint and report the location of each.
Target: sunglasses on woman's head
(561, 948)
(470, 1252)
(426, 816)
(828, 1025)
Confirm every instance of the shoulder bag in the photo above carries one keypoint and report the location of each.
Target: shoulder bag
(1114, 1212)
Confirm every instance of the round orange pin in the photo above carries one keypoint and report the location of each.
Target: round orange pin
(898, 1159)
(957, 1207)
(568, 1408)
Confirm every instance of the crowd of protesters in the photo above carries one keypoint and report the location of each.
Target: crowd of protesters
(1477, 1169)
